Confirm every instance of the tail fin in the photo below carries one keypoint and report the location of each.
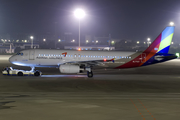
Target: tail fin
(158, 48)
(162, 43)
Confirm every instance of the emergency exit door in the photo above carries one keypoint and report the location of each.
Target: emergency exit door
(31, 54)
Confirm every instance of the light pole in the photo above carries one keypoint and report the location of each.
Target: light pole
(148, 41)
(31, 41)
(79, 13)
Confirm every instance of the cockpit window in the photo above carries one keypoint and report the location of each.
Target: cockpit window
(20, 54)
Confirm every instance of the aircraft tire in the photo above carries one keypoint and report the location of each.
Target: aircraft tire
(37, 73)
(20, 74)
(89, 74)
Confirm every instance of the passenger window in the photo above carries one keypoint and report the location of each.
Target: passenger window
(119, 56)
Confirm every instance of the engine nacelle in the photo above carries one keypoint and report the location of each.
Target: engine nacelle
(70, 69)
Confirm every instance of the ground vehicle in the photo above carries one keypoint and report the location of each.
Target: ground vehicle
(15, 72)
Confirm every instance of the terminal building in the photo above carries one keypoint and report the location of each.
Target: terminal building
(6, 48)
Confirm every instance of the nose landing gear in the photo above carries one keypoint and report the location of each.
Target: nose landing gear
(36, 72)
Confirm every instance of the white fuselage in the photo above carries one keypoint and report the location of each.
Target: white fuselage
(50, 58)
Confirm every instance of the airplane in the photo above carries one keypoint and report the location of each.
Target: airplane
(69, 61)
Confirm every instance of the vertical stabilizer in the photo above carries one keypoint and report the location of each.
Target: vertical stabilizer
(162, 43)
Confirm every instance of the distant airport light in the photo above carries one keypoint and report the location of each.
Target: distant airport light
(96, 41)
(125, 41)
(79, 49)
(148, 41)
(144, 42)
(73, 40)
(25, 41)
(59, 40)
(172, 42)
(112, 42)
(79, 13)
(32, 41)
(177, 54)
(31, 37)
(137, 42)
(87, 41)
(171, 23)
(44, 40)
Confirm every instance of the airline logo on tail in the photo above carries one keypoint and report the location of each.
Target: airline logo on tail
(159, 47)
(162, 43)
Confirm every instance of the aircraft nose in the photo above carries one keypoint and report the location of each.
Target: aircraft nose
(11, 59)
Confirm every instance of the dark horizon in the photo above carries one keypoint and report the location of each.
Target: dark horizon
(130, 19)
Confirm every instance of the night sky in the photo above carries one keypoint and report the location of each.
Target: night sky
(124, 19)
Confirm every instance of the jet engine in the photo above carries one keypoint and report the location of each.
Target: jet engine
(70, 69)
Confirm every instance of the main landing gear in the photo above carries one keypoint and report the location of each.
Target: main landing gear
(36, 72)
(89, 72)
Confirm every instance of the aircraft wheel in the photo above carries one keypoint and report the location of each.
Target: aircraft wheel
(37, 73)
(89, 74)
(20, 74)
